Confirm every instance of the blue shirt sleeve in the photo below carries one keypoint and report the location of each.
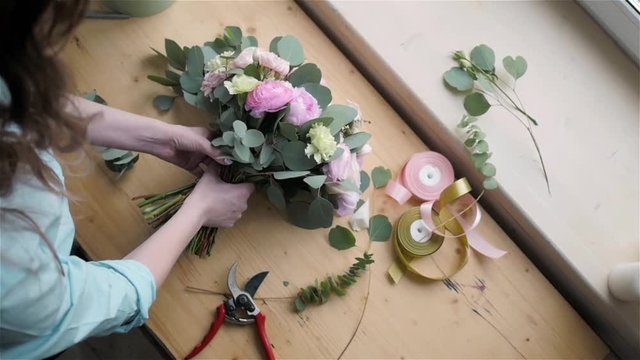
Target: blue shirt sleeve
(46, 305)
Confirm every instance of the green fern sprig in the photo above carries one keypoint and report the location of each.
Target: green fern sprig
(320, 292)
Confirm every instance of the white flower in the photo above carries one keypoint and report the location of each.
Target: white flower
(322, 145)
(219, 62)
(241, 84)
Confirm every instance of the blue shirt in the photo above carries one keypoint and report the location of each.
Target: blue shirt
(44, 310)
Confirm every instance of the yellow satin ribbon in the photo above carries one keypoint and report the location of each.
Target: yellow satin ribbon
(407, 248)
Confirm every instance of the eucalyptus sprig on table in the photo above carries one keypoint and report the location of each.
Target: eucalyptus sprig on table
(476, 75)
(116, 160)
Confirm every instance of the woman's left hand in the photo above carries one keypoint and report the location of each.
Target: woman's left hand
(186, 147)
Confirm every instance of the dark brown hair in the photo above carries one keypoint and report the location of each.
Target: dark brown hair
(31, 34)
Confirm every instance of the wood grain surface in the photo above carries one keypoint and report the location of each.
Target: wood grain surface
(491, 309)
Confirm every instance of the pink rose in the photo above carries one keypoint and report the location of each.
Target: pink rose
(211, 81)
(304, 107)
(272, 61)
(244, 58)
(270, 96)
(347, 203)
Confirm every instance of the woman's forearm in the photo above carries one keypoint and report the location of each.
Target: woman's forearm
(116, 128)
(161, 251)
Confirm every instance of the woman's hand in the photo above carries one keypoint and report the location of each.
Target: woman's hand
(186, 147)
(218, 204)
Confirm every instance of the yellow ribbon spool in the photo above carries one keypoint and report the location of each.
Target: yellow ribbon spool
(407, 248)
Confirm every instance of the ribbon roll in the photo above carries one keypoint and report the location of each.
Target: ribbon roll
(458, 200)
(425, 175)
(412, 239)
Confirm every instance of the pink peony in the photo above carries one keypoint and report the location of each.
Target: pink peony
(272, 61)
(211, 81)
(347, 203)
(270, 96)
(340, 168)
(304, 107)
(244, 58)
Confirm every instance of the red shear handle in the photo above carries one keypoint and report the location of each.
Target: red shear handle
(215, 326)
(262, 331)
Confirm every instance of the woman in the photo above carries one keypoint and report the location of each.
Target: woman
(50, 300)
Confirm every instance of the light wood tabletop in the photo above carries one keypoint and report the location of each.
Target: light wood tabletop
(499, 308)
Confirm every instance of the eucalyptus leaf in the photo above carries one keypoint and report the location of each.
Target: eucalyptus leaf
(357, 140)
(252, 70)
(516, 67)
(233, 35)
(298, 215)
(481, 146)
(379, 228)
(208, 53)
(339, 151)
(483, 57)
(290, 49)
(282, 175)
(242, 153)
(289, 131)
(163, 102)
(490, 183)
(206, 104)
(253, 138)
(195, 62)
(249, 41)
(485, 84)
(315, 181)
(458, 79)
(365, 180)
(479, 159)
(192, 83)
(299, 304)
(276, 196)
(341, 238)
(175, 55)
(190, 98)
(466, 121)
(162, 80)
(307, 73)
(470, 142)
(488, 170)
(321, 93)
(304, 129)
(266, 155)
(229, 137)
(126, 159)
(294, 157)
(111, 154)
(342, 115)
(321, 212)
(221, 93)
(380, 176)
(273, 46)
(219, 46)
(226, 119)
(217, 142)
(476, 104)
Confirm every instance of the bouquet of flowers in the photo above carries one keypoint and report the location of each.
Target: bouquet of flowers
(275, 125)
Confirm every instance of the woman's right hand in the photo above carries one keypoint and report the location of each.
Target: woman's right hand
(219, 204)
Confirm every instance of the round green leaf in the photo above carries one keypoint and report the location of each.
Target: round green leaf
(157, 79)
(289, 131)
(233, 35)
(321, 93)
(240, 128)
(315, 181)
(163, 102)
(249, 41)
(379, 228)
(192, 83)
(321, 212)
(364, 181)
(483, 57)
(458, 79)
(266, 155)
(305, 74)
(273, 45)
(290, 49)
(242, 153)
(476, 104)
(276, 196)
(175, 55)
(341, 238)
(357, 140)
(298, 215)
(380, 176)
(490, 183)
(481, 146)
(489, 170)
(516, 67)
(253, 138)
(195, 62)
(470, 142)
(342, 115)
(479, 159)
(228, 137)
(294, 157)
(300, 305)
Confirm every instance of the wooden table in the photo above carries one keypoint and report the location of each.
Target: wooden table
(516, 313)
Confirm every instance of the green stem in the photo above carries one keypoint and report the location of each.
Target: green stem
(167, 194)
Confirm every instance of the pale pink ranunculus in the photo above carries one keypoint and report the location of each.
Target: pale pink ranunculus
(211, 80)
(340, 168)
(304, 107)
(347, 203)
(244, 58)
(270, 96)
(272, 61)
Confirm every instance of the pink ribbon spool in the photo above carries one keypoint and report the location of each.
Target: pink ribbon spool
(425, 175)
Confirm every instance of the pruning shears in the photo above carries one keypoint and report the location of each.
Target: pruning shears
(239, 309)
